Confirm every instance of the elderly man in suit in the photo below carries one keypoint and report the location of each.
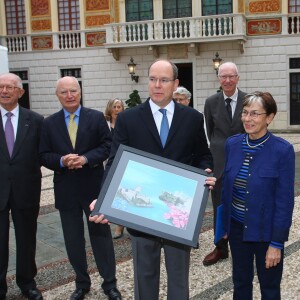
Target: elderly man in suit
(20, 184)
(223, 119)
(142, 127)
(74, 144)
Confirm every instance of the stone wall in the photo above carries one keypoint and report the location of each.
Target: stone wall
(264, 66)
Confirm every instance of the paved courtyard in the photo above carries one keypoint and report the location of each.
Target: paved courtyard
(56, 278)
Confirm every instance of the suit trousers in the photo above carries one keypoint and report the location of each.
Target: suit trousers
(25, 226)
(102, 245)
(243, 255)
(216, 196)
(146, 260)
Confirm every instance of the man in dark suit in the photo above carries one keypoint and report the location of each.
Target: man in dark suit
(74, 144)
(140, 127)
(20, 184)
(223, 119)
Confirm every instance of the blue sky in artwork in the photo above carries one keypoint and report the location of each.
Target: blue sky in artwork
(151, 183)
(154, 181)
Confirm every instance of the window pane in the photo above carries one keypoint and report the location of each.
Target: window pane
(177, 9)
(216, 7)
(15, 17)
(139, 10)
(68, 15)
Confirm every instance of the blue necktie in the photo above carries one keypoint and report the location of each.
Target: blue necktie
(9, 133)
(164, 127)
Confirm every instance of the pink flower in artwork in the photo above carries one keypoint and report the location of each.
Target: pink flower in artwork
(178, 218)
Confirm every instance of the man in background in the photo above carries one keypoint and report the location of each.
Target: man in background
(74, 144)
(20, 185)
(223, 119)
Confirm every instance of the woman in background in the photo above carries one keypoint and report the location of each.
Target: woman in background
(258, 199)
(113, 108)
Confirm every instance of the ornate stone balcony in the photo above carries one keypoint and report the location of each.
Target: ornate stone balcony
(155, 33)
(174, 31)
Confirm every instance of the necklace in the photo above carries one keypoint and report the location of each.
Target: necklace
(247, 141)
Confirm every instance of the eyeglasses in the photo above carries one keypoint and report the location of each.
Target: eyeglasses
(180, 99)
(72, 92)
(9, 88)
(162, 81)
(252, 114)
(230, 77)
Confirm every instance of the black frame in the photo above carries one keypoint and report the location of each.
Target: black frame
(176, 205)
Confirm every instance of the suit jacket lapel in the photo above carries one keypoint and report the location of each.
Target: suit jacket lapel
(222, 112)
(3, 146)
(239, 106)
(176, 121)
(61, 129)
(147, 117)
(82, 126)
(24, 124)
(150, 123)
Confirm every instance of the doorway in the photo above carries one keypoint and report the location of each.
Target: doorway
(185, 76)
(24, 101)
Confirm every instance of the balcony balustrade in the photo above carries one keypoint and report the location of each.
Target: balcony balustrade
(154, 33)
(174, 31)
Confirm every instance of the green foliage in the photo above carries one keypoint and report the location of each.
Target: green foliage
(134, 99)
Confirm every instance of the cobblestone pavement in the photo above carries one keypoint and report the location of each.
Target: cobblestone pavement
(56, 278)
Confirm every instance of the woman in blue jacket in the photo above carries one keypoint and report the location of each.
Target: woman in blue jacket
(258, 199)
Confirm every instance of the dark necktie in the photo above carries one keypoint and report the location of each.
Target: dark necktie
(164, 127)
(9, 133)
(228, 107)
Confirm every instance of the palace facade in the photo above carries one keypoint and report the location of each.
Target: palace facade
(94, 40)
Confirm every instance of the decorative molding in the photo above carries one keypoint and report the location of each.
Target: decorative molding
(264, 6)
(97, 20)
(241, 46)
(94, 39)
(42, 42)
(264, 26)
(115, 53)
(41, 25)
(40, 8)
(97, 5)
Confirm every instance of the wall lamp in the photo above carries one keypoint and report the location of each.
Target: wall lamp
(217, 61)
(131, 70)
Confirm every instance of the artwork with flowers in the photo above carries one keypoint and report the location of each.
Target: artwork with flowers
(155, 194)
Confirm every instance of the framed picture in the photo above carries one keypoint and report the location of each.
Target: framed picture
(154, 195)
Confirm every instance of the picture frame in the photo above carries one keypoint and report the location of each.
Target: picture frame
(154, 195)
